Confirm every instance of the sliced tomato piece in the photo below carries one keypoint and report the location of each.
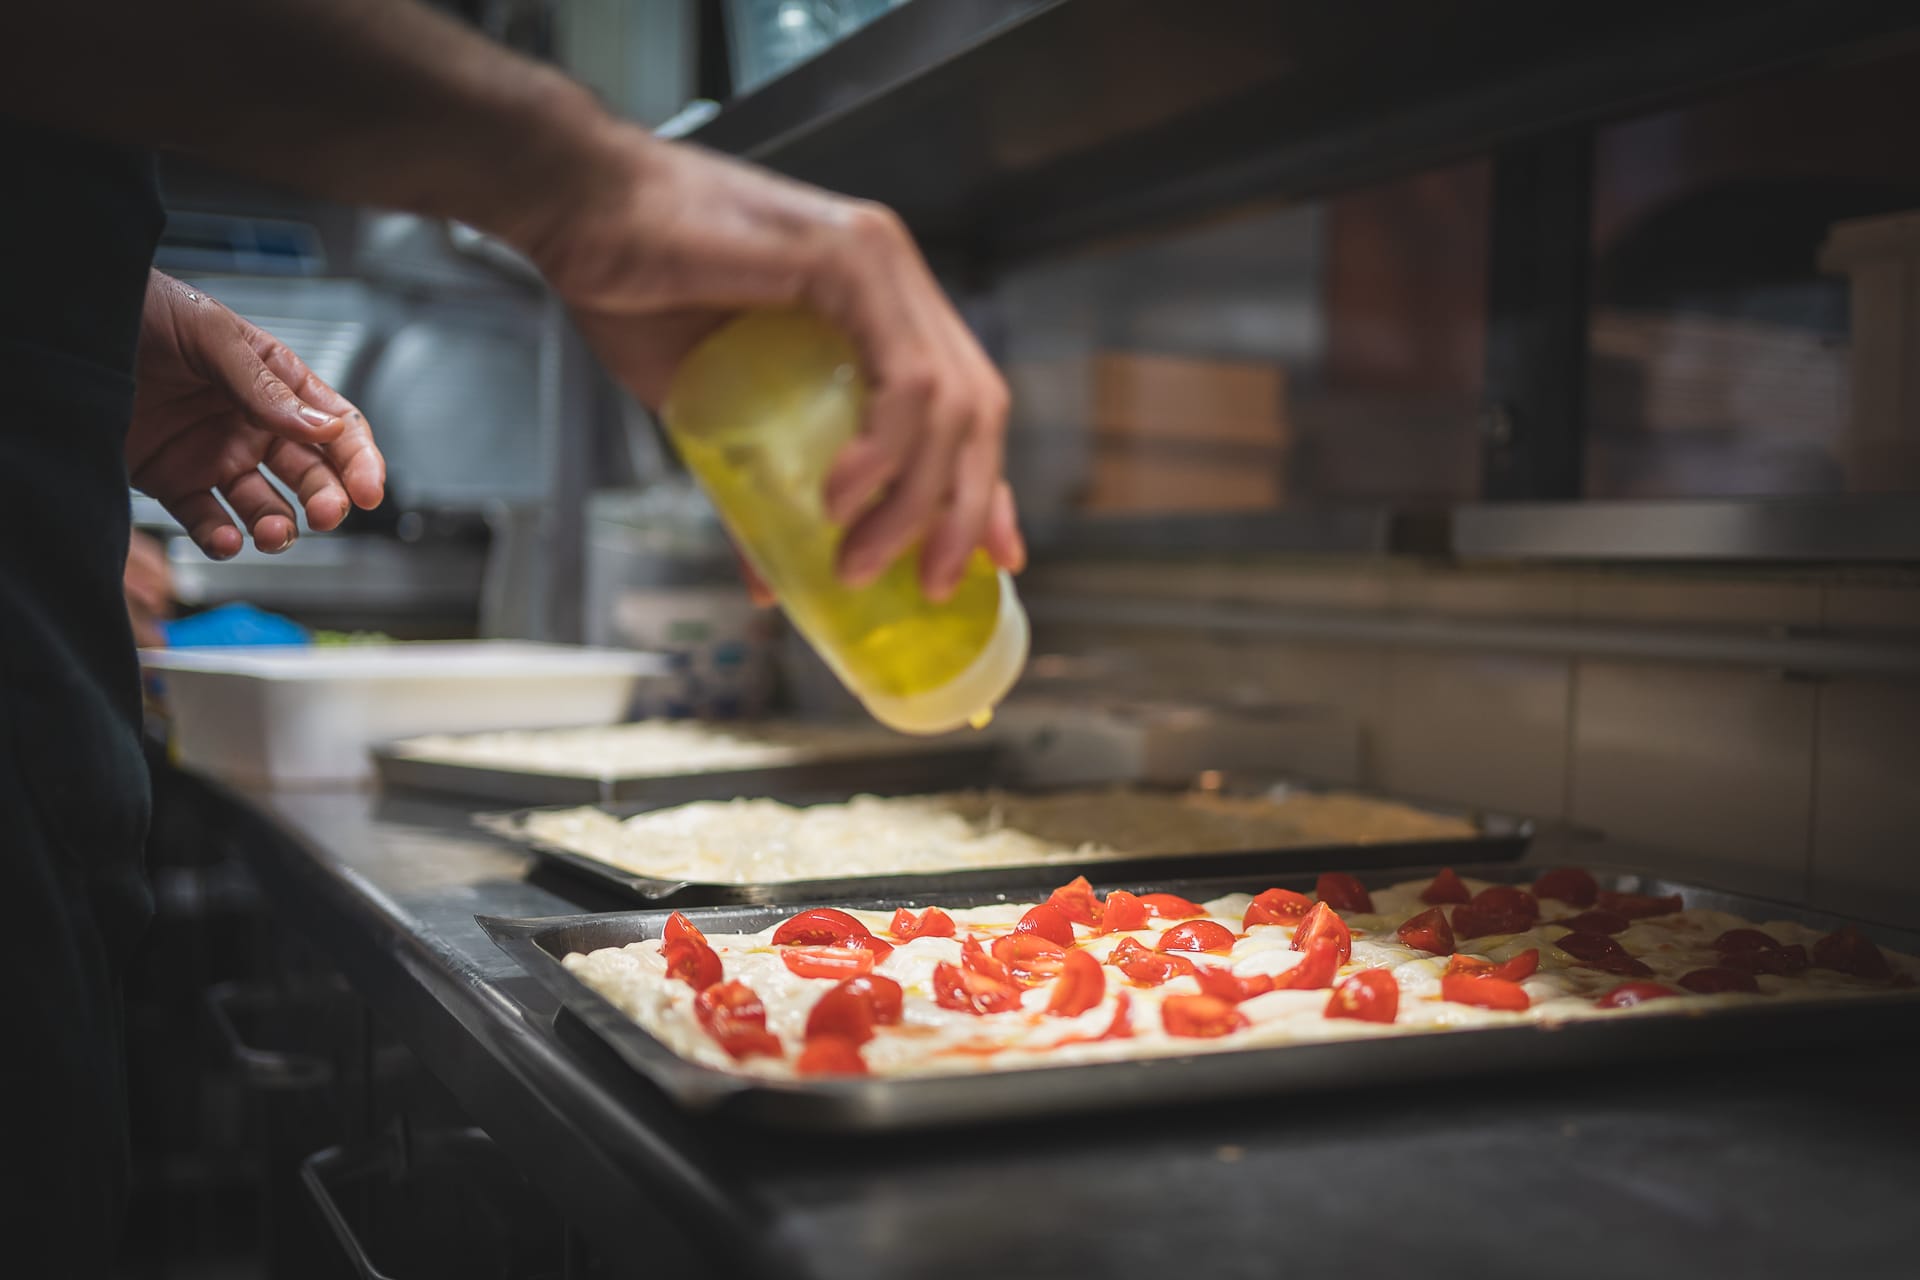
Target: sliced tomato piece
(883, 996)
(1603, 953)
(680, 929)
(818, 927)
(1317, 969)
(1787, 962)
(976, 960)
(1509, 901)
(1739, 941)
(1514, 969)
(971, 992)
(841, 1013)
(1340, 890)
(1368, 996)
(1029, 958)
(1222, 983)
(1568, 884)
(1428, 931)
(1081, 986)
(1197, 935)
(1847, 950)
(878, 948)
(1447, 888)
(1124, 912)
(1200, 1017)
(1484, 993)
(1717, 978)
(1121, 1028)
(931, 923)
(1640, 906)
(1077, 902)
(1277, 906)
(827, 962)
(1597, 921)
(830, 1056)
(1049, 922)
(1322, 922)
(694, 963)
(733, 1015)
(1148, 968)
(1629, 994)
(1171, 906)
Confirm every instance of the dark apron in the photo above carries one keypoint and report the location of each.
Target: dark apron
(78, 222)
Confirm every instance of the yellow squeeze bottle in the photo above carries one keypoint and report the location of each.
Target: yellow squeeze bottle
(759, 411)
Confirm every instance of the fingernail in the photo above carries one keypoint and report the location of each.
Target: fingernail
(317, 417)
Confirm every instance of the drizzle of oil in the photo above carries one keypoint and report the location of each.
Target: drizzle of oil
(981, 718)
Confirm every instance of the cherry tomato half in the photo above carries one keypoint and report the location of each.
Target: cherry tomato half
(1200, 1017)
(734, 1016)
(1509, 900)
(1077, 902)
(694, 963)
(976, 960)
(1029, 958)
(1639, 906)
(1515, 969)
(970, 992)
(1429, 932)
(681, 929)
(1171, 906)
(818, 927)
(1568, 884)
(1850, 951)
(1322, 922)
(1317, 968)
(1148, 968)
(1124, 913)
(1484, 993)
(1049, 922)
(931, 923)
(1787, 962)
(1368, 996)
(1197, 935)
(1081, 986)
(827, 962)
(1340, 890)
(1447, 888)
(830, 1056)
(1222, 983)
(1629, 994)
(882, 994)
(1602, 953)
(1277, 906)
(842, 1014)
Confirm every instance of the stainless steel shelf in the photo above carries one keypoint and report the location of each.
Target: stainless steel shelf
(1842, 529)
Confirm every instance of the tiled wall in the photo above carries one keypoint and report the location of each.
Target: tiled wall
(1771, 782)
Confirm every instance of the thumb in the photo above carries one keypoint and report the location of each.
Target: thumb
(241, 370)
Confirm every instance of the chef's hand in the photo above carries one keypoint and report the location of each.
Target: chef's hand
(664, 242)
(215, 399)
(148, 586)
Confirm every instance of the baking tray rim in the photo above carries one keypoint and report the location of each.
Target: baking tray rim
(883, 1104)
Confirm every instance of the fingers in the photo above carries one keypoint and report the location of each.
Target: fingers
(347, 444)
(207, 523)
(235, 355)
(1004, 544)
(262, 510)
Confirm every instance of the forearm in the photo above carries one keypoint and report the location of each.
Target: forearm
(382, 102)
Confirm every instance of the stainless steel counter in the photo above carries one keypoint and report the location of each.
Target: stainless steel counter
(1784, 1167)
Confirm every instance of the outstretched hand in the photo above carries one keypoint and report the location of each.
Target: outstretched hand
(218, 399)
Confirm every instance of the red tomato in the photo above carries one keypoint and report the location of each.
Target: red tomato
(733, 1015)
(841, 1013)
(1447, 887)
(971, 992)
(1222, 984)
(1081, 986)
(1629, 994)
(1317, 968)
(1077, 902)
(1049, 922)
(1601, 952)
(830, 1056)
(1738, 941)
(827, 962)
(1145, 967)
(1568, 884)
(882, 994)
(1321, 922)
(1277, 906)
(1200, 1017)
(1028, 957)
(1639, 906)
(1338, 889)
(1786, 962)
(931, 923)
(879, 948)
(1719, 978)
(1428, 931)
(1484, 993)
(694, 963)
(1597, 921)
(1171, 906)
(1124, 913)
(1515, 969)
(818, 927)
(1197, 935)
(1510, 902)
(1368, 996)
(978, 961)
(1121, 1028)
(681, 929)
(1850, 951)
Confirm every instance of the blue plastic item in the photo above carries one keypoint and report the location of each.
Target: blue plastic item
(233, 626)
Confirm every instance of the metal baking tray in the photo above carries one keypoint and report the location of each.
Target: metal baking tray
(897, 768)
(1500, 838)
(885, 1104)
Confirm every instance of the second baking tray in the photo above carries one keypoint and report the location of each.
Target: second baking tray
(878, 1104)
(1498, 839)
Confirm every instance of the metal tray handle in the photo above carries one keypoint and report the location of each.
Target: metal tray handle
(313, 1171)
(265, 1069)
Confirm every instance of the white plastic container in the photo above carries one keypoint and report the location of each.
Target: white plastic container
(305, 717)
